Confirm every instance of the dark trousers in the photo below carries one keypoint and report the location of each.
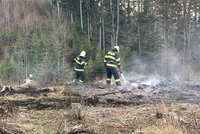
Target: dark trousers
(112, 71)
(80, 76)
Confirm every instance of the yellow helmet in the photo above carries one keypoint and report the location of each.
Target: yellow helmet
(83, 54)
(117, 48)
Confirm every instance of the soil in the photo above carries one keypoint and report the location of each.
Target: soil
(136, 107)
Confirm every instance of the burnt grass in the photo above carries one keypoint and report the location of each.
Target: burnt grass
(126, 95)
(95, 95)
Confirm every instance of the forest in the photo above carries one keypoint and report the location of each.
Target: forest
(159, 43)
(43, 37)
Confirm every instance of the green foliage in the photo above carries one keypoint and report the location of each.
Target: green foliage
(9, 70)
(19, 53)
(78, 43)
(146, 46)
(47, 49)
(42, 56)
(7, 37)
(96, 67)
(89, 70)
(53, 73)
(136, 126)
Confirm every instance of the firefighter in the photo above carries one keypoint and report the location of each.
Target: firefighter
(79, 67)
(112, 64)
(29, 82)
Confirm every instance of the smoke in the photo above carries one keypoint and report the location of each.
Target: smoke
(171, 65)
(168, 65)
(152, 81)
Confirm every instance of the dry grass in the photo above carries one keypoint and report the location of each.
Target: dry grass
(102, 120)
(139, 119)
(168, 129)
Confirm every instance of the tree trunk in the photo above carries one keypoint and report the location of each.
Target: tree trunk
(185, 37)
(138, 27)
(81, 14)
(113, 25)
(72, 18)
(117, 32)
(26, 64)
(165, 33)
(88, 19)
(102, 27)
(100, 33)
(58, 8)
(195, 14)
(188, 26)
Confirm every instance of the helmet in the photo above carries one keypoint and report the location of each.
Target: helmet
(117, 48)
(82, 54)
(30, 76)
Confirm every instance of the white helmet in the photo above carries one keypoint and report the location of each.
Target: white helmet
(30, 76)
(117, 48)
(83, 54)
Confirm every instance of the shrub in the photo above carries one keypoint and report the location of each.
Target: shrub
(9, 70)
(76, 114)
(96, 67)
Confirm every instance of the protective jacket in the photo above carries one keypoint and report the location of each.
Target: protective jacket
(79, 68)
(80, 63)
(112, 59)
(111, 62)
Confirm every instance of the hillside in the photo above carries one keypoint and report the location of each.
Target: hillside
(155, 47)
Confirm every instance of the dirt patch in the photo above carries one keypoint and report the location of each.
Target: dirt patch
(96, 110)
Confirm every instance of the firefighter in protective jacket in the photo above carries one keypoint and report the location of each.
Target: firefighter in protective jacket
(79, 67)
(112, 63)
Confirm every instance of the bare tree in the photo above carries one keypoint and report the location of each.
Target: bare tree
(88, 19)
(113, 41)
(117, 31)
(103, 27)
(81, 14)
(138, 27)
(100, 34)
(58, 7)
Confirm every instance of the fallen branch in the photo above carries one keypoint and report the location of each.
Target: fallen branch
(15, 90)
(108, 93)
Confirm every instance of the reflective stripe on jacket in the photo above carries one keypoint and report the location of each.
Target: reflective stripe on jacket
(112, 59)
(80, 63)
